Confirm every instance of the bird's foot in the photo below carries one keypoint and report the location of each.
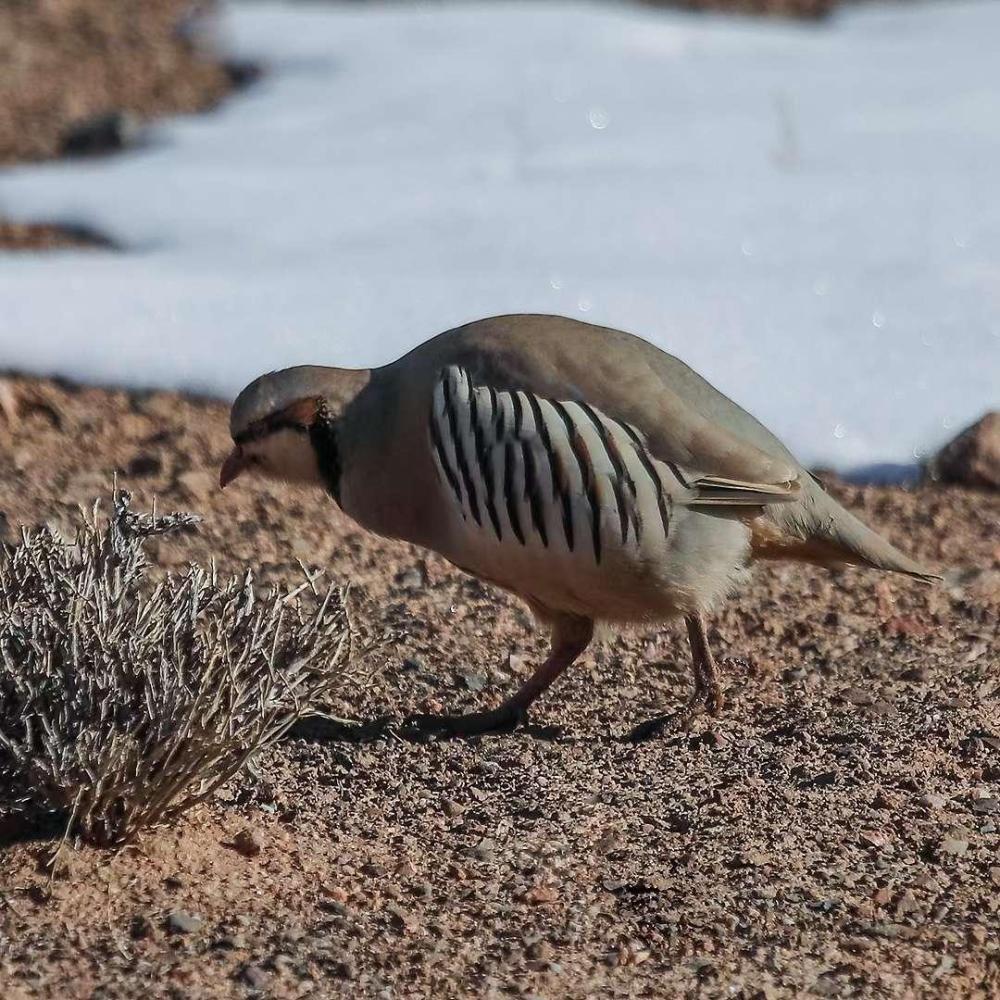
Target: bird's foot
(709, 700)
(713, 700)
(653, 727)
(504, 719)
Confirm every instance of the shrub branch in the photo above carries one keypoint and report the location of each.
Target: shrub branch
(128, 701)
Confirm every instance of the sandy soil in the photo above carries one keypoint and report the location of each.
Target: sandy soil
(66, 62)
(833, 834)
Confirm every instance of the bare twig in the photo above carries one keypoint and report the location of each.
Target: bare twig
(126, 703)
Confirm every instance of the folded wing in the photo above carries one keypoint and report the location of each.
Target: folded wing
(546, 471)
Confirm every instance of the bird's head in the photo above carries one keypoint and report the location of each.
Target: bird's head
(284, 425)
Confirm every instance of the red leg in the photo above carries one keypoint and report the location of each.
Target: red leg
(571, 635)
(707, 696)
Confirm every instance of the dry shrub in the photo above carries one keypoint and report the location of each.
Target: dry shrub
(123, 701)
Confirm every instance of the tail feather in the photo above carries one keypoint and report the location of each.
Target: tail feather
(840, 536)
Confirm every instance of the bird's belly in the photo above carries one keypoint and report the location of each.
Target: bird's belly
(639, 576)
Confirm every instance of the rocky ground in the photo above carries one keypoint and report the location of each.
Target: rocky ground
(834, 833)
(82, 75)
(69, 60)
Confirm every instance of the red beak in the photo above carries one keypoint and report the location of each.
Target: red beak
(232, 467)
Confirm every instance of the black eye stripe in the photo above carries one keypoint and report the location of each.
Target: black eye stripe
(264, 428)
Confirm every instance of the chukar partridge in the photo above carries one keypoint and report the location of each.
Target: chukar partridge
(581, 468)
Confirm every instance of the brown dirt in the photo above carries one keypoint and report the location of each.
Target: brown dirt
(807, 9)
(67, 61)
(834, 833)
(46, 236)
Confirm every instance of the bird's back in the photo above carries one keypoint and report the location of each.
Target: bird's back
(568, 347)
(684, 416)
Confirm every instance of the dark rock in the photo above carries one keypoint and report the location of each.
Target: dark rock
(254, 976)
(107, 133)
(973, 457)
(345, 968)
(248, 842)
(334, 906)
(144, 464)
(242, 73)
(714, 738)
(821, 780)
(400, 919)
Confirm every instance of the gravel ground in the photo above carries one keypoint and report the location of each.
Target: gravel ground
(66, 62)
(833, 834)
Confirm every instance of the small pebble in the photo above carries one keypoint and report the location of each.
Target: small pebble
(485, 850)
(254, 976)
(248, 842)
(538, 949)
(541, 894)
(858, 696)
(872, 838)
(182, 922)
(954, 846)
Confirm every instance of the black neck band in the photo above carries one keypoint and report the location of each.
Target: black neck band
(323, 437)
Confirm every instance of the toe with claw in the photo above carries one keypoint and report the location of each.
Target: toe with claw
(501, 720)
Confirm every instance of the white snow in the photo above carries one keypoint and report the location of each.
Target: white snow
(809, 215)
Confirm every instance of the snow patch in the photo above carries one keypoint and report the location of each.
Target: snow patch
(805, 214)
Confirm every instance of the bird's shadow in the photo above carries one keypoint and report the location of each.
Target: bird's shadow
(328, 729)
(27, 826)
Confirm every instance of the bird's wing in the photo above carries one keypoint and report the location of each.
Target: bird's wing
(510, 457)
(629, 381)
(679, 417)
